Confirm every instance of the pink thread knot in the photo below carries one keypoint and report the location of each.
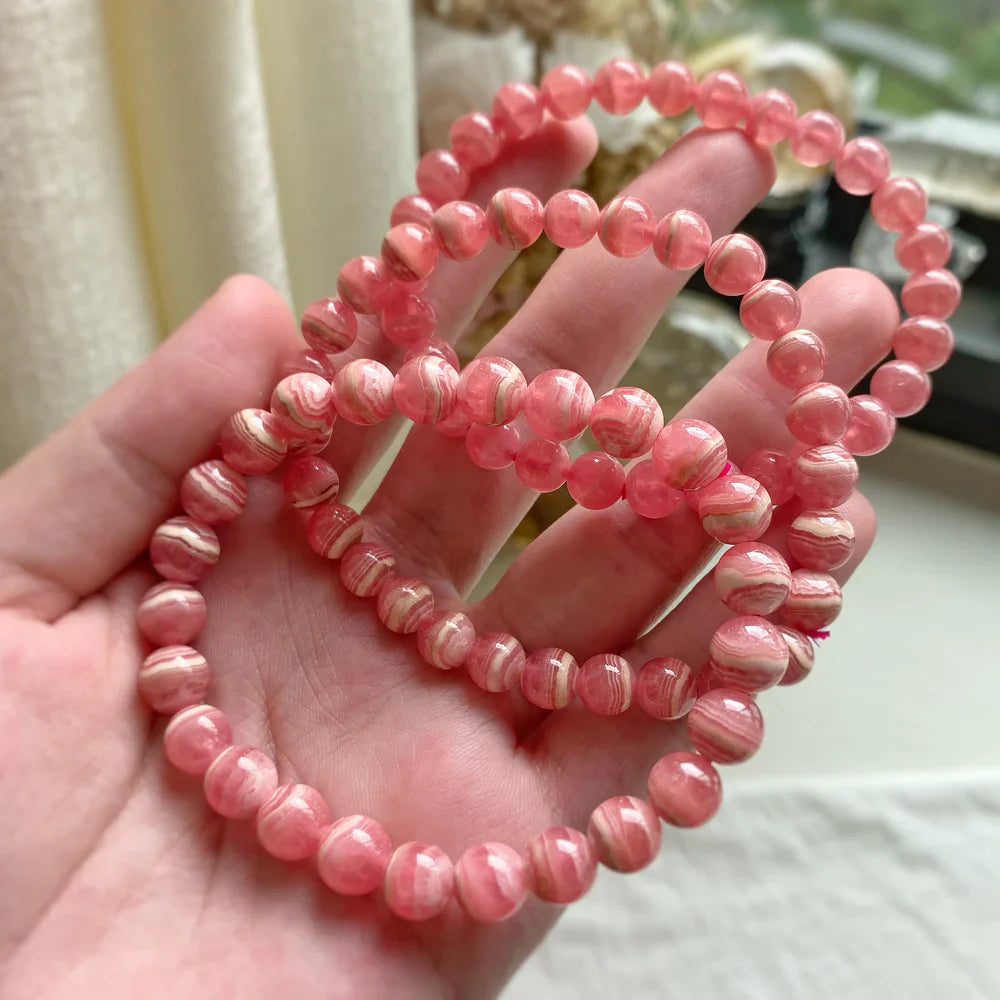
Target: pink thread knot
(818, 635)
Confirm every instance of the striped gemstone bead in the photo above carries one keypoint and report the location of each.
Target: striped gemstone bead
(515, 218)
(290, 822)
(195, 736)
(444, 639)
(251, 442)
(689, 453)
(403, 603)
(495, 661)
(213, 493)
(625, 421)
(818, 413)
(604, 684)
(239, 781)
(558, 404)
(491, 882)
(328, 325)
(801, 655)
(562, 863)
(748, 653)
(309, 481)
(333, 528)
(365, 567)
(419, 881)
(814, 600)
(491, 391)
(821, 539)
(303, 406)
(665, 688)
(735, 509)
(549, 678)
(171, 614)
(426, 389)
(183, 550)
(172, 678)
(625, 833)
(354, 855)
(752, 579)
(725, 726)
(825, 476)
(362, 392)
(685, 789)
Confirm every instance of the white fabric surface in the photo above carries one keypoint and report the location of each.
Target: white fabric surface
(876, 888)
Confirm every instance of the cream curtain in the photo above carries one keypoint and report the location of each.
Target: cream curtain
(150, 148)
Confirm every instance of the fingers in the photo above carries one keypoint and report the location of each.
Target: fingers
(591, 314)
(82, 505)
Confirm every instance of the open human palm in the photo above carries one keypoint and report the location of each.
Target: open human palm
(117, 880)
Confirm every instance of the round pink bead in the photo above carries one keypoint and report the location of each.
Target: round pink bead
(364, 284)
(626, 227)
(899, 204)
(433, 347)
(412, 208)
(871, 427)
(171, 614)
(518, 108)
(493, 448)
(308, 481)
(172, 678)
(491, 882)
(440, 177)
(735, 263)
(862, 166)
(409, 251)
(626, 421)
(251, 442)
(648, 493)
(365, 568)
(566, 92)
(924, 340)
(689, 453)
(801, 656)
(332, 528)
(403, 604)
(752, 579)
(924, 247)
(329, 325)
(558, 404)
(354, 855)
(362, 392)
(934, 293)
(816, 138)
(239, 780)
(796, 359)
(748, 652)
(670, 88)
(902, 386)
(495, 661)
(426, 389)
(475, 141)
(460, 230)
(771, 308)
(772, 117)
(444, 639)
(595, 480)
(290, 822)
(302, 404)
(825, 476)
(604, 684)
(681, 240)
(619, 86)
(818, 413)
(562, 864)
(195, 736)
(408, 318)
(625, 833)
(419, 881)
(721, 99)
(814, 600)
(821, 539)
(665, 688)
(492, 391)
(571, 218)
(735, 509)
(542, 465)
(725, 725)
(310, 362)
(515, 218)
(685, 789)
(549, 677)
(183, 549)
(773, 470)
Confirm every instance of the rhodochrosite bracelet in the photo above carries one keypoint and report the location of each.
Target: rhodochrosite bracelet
(507, 420)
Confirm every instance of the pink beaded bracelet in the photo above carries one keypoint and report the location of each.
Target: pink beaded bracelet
(492, 405)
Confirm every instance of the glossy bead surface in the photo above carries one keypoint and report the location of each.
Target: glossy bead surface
(558, 404)
(332, 528)
(493, 448)
(549, 677)
(251, 442)
(434, 347)
(684, 789)
(492, 390)
(725, 726)
(518, 108)
(721, 99)
(648, 493)
(748, 653)
(821, 539)
(419, 881)
(899, 204)
(444, 639)
(474, 140)
(542, 465)
(619, 86)
(172, 678)
(771, 308)
(773, 470)
(626, 226)
(625, 833)
(403, 604)
(515, 218)
(354, 855)
(665, 688)
(426, 389)
(689, 453)
(801, 656)
(595, 480)
(817, 138)
(195, 736)
(571, 218)
(411, 208)
(681, 240)
(329, 325)
(862, 166)
(302, 404)
(239, 781)
(562, 864)
(752, 579)
(495, 661)
(814, 600)
(291, 820)
(491, 882)
(365, 568)
(364, 284)
(871, 427)
(825, 476)
(440, 177)
(902, 386)
(735, 263)
(734, 509)
(670, 88)
(183, 550)
(626, 421)
(818, 413)
(362, 392)
(934, 293)
(409, 251)
(924, 247)
(408, 318)
(796, 359)
(308, 481)
(566, 92)
(772, 117)
(171, 614)
(924, 340)
(604, 684)
(460, 230)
